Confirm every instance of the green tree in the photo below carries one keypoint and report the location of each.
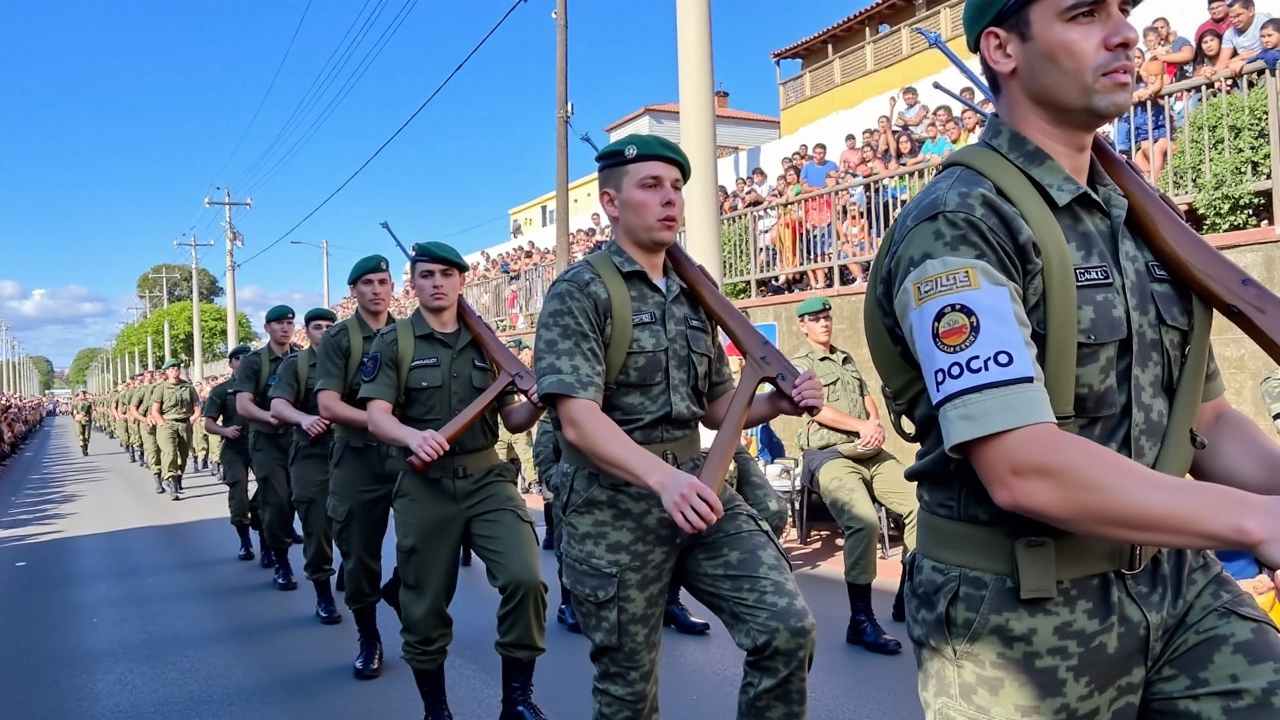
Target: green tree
(213, 332)
(44, 368)
(180, 286)
(78, 373)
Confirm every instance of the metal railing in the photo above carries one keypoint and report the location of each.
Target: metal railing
(873, 55)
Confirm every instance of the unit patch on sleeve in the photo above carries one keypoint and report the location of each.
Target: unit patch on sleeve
(969, 341)
(945, 283)
(369, 367)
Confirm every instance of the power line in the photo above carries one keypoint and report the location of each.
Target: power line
(490, 221)
(378, 152)
(265, 95)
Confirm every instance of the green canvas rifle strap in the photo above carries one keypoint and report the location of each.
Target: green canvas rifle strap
(355, 341)
(620, 312)
(404, 357)
(304, 362)
(264, 369)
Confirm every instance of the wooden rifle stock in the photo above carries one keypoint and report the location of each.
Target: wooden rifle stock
(1241, 299)
(510, 370)
(764, 364)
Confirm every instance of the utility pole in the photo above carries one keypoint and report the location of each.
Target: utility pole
(563, 111)
(151, 350)
(233, 239)
(698, 134)
(197, 342)
(4, 358)
(164, 290)
(324, 249)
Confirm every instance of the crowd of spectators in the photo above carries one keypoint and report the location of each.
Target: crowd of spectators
(19, 418)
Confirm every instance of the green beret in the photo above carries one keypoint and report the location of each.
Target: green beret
(239, 350)
(439, 254)
(982, 14)
(813, 305)
(171, 364)
(643, 148)
(279, 312)
(319, 314)
(367, 266)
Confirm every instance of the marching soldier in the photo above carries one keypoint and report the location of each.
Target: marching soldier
(630, 454)
(200, 438)
(293, 402)
(140, 406)
(172, 410)
(268, 441)
(221, 421)
(120, 410)
(845, 461)
(1049, 579)
(360, 482)
(518, 446)
(82, 413)
(466, 487)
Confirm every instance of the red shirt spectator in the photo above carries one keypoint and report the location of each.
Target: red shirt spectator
(1218, 19)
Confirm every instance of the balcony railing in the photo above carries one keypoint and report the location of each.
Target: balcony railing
(874, 55)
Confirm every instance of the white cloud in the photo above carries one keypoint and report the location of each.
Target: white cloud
(255, 301)
(56, 322)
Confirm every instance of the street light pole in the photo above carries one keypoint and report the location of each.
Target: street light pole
(324, 251)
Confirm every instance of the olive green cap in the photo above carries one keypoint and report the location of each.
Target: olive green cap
(367, 266)
(439, 254)
(319, 314)
(982, 14)
(640, 147)
(171, 364)
(813, 305)
(279, 312)
(239, 350)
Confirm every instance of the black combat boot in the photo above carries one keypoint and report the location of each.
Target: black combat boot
(368, 663)
(677, 616)
(340, 584)
(204, 464)
(326, 609)
(297, 536)
(159, 484)
(284, 579)
(566, 615)
(177, 483)
(268, 555)
(172, 485)
(864, 630)
(391, 591)
(549, 540)
(899, 600)
(466, 549)
(435, 703)
(517, 691)
(195, 466)
(132, 459)
(246, 545)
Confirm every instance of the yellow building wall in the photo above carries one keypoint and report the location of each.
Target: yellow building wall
(583, 198)
(849, 95)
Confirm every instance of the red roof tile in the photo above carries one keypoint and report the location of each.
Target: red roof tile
(844, 26)
(674, 108)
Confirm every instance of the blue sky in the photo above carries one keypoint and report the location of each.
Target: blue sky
(119, 117)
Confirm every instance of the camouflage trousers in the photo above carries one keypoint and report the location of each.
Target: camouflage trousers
(620, 550)
(1178, 639)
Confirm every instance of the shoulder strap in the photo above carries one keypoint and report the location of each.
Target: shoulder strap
(619, 309)
(355, 341)
(404, 357)
(303, 371)
(1180, 439)
(903, 383)
(264, 368)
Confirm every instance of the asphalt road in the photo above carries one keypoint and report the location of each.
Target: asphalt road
(117, 603)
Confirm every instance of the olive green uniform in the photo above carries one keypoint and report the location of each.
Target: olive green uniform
(177, 403)
(517, 446)
(269, 449)
(469, 489)
(234, 456)
(123, 430)
(673, 368)
(308, 467)
(83, 412)
(849, 486)
(360, 482)
(997, 633)
(199, 441)
(142, 399)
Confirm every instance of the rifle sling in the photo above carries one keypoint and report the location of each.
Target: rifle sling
(620, 315)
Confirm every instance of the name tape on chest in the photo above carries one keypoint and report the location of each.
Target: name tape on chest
(1093, 275)
(424, 362)
(944, 283)
(1158, 273)
(644, 318)
(969, 341)
(696, 323)
(480, 364)
(369, 366)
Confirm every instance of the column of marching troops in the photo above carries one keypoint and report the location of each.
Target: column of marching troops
(1061, 567)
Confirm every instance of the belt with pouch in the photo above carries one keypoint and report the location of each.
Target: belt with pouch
(1036, 563)
(673, 453)
(457, 465)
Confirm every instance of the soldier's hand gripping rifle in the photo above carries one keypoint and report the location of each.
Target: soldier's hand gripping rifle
(764, 364)
(1227, 288)
(511, 371)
